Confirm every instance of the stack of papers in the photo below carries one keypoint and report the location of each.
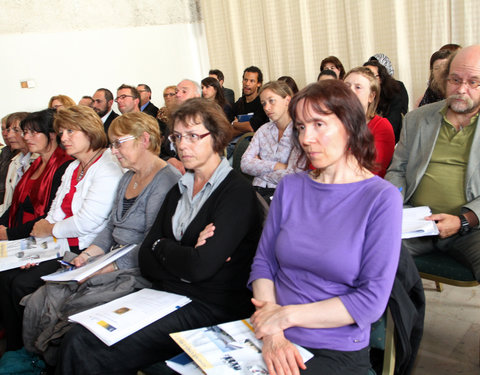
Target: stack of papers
(415, 225)
(228, 348)
(18, 253)
(124, 316)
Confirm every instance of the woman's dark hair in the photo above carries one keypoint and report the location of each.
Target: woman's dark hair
(211, 115)
(40, 122)
(290, 82)
(219, 96)
(327, 72)
(335, 97)
(389, 87)
(335, 61)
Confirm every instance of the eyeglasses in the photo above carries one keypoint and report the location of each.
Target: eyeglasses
(118, 142)
(122, 97)
(176, 138)
(31, 133)
(169, 94)
(456, 81)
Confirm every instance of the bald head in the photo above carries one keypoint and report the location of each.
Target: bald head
(463, 81)
(187, 89)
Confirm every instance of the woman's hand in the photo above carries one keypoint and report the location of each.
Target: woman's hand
(279, 166)
(80, 260)
(108, 268)
(281, 356)
(204, 234)
(269, 319)
(42, 228)
(3, 233)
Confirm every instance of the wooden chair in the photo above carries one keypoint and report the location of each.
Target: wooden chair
(442, 268)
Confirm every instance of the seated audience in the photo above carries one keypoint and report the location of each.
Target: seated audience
(326, 261)
(212, 90)
(201, 245)
(367, 89)
(36, 189)
(78, 213)
(271, 154)
(169, 98)
(20, 162)
(58, 101)
(334, 64)
(290, 82)
(326, 74)
(227, 93)
(435, 90)
(136, 143)
(393, 102)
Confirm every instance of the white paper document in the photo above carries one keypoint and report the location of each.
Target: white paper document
(18, 253)
(120, 318)
(228, 348)
(87, 270)
(414, 223)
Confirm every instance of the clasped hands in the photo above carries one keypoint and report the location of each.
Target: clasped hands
(279, 354)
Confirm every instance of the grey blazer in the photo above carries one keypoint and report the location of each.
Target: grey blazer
(414, 150)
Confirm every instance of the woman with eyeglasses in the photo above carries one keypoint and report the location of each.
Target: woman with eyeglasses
(20, 162)
(201, 245)
(169, 98)
(136, 143)
(36, 189)
(78, 213)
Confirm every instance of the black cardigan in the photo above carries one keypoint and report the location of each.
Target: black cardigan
(203, 273)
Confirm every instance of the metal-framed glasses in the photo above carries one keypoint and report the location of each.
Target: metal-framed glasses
(118, 142)
(176, 138)
(457, 81)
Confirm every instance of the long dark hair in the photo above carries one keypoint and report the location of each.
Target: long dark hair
(334, 96)
(219, 96)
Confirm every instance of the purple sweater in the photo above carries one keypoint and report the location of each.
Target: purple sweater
(327, 240)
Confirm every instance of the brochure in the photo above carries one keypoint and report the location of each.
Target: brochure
(124, 316)
(414, 223)
(228, 348)
(81, 273)
(18, 253)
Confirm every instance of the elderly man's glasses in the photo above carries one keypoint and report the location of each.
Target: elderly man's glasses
(118, 142)
(457, 81)
(176, 138)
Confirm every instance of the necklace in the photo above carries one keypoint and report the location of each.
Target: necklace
(84, 167)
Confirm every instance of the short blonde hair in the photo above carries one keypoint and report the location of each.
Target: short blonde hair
(136, 123)
(85, 119)
(66, 100)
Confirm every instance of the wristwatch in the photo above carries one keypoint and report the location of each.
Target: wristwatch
(464, 225)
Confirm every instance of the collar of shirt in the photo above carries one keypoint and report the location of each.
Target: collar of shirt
(104, 118)
(444, 110)
(144, 106)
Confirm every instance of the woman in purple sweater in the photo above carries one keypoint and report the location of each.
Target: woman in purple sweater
(326, 262)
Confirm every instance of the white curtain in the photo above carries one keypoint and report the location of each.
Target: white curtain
(291, 37)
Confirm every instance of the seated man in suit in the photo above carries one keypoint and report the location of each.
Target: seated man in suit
(145, 100)
(102, 104)
(228, 93)
(436, 163)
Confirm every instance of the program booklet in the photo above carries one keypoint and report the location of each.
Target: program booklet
(228, 348)
(414, 223)
(18, 253)
(115, 320)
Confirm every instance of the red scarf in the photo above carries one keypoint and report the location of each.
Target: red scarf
(44, 183)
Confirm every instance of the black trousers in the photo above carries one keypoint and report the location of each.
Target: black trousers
(14, 285)
(83, 353)
(335, 362)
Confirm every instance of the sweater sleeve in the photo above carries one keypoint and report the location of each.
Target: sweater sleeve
(251, 163)
(379, 261)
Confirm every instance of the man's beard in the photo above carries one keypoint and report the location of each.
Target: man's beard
(467, 105)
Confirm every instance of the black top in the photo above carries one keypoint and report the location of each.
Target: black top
(112, 116)
(203, 273)
(241, 107)
(396, 109)
(151, 109)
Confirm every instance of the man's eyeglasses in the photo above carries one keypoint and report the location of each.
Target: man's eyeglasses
(122, 97)
(456, 81)
(176, 138)
(118, 142)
